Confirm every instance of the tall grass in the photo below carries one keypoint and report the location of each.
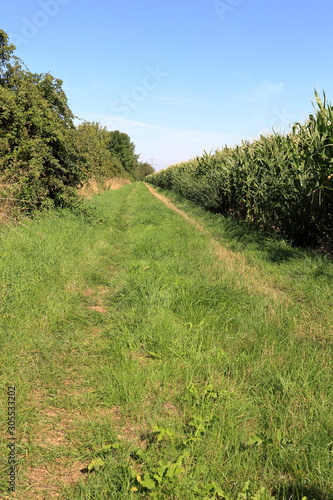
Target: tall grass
(146, 368)
(280, 183)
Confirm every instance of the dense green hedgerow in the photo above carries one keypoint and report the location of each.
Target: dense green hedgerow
(280, 183)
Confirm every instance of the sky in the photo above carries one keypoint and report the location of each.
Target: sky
(180, 77)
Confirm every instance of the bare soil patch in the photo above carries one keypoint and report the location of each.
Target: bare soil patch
(46, 482)
(97, 296)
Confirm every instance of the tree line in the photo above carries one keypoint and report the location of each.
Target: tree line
(44, 157)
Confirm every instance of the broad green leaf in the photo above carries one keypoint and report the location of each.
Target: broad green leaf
(147, 481)
(96, 464)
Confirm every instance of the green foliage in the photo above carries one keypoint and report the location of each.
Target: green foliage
(96, 464)
(122, 148)
(99, 162)
(278, 183)
(155, 481)
(213, 491)
(162, 433)
(39, 161)
(142, 170)
(44, 159)
(8, 62)
(99, 462)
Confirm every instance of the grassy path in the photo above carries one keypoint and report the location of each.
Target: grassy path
(173, 363)
(254, 279)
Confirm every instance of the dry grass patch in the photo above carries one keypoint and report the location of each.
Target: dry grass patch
(45, 482)
(97, 296)
(96, 292)
(95, 186)
(46, 478)
(141, 357)
(313, 329)
(91, 336)
(116, 183)
(98, 309)
(170, 410)
(126, 429)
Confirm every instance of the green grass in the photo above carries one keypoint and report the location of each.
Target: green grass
(130, 342)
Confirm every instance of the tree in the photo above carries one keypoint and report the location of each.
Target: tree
(93, 142)
(8, 62)
(122, 148)
(44, 158)
(39, 159)
(142, 170)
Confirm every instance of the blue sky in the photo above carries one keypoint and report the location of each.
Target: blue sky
(180, 77)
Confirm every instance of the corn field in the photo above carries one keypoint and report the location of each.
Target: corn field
(280, 183)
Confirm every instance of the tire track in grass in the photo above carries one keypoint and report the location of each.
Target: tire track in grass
(308, 322)
(52, 461)
(250, 277)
